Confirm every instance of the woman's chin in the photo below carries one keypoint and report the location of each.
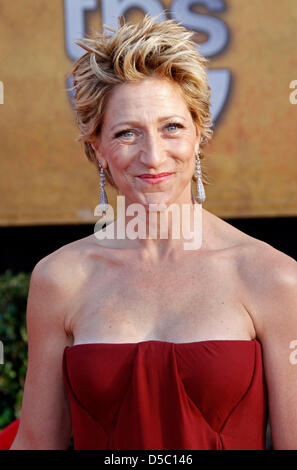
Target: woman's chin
(156, 200)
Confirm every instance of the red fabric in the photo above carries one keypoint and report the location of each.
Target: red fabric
(8, 434)
(167, 396)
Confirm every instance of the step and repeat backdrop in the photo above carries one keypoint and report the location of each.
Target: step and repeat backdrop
(45, 177)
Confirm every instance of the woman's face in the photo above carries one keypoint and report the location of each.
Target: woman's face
(148, 130)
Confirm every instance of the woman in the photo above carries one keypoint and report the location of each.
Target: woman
(139, 343)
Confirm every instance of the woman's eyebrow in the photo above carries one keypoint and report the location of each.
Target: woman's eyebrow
(136, 123)
(125, 123)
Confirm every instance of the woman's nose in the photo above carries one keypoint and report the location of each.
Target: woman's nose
(153, 152)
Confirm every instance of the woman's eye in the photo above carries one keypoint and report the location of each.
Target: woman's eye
(126, 133)
(173, 126)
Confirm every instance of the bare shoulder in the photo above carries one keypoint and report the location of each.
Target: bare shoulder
(65, 265)
(266, 277)
(269, 280)
(263, 266)
(61, 276)
(257, 261)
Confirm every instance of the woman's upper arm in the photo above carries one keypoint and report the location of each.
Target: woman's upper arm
(277, 331)
(45, 421)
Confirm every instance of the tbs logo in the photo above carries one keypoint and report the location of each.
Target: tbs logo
(179, 11)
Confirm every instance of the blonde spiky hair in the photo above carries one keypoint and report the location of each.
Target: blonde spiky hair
(132, 53)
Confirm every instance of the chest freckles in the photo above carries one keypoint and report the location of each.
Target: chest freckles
(144, 301)
(148, 297)
(157, 289)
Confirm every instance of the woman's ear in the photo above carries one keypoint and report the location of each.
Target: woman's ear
(197, 143)
(94, 142)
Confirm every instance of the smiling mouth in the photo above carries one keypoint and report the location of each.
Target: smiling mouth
(149, 175)
(155, 179)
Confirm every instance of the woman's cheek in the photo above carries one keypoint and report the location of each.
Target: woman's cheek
(121, 157)
(183, 149)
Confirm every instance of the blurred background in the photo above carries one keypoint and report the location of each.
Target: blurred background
(49, 190)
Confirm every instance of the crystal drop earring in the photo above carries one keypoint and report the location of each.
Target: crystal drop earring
(103, 201)
(200, 192)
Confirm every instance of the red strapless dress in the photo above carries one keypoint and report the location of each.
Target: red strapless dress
(159, 395)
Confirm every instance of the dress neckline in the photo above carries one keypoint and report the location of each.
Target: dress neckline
(169, 343)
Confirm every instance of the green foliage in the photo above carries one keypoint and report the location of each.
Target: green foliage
(13, 302)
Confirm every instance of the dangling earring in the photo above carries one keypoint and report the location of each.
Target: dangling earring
(103, 201)
(200, 193)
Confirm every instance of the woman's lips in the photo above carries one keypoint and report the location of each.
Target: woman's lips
(155, 179)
